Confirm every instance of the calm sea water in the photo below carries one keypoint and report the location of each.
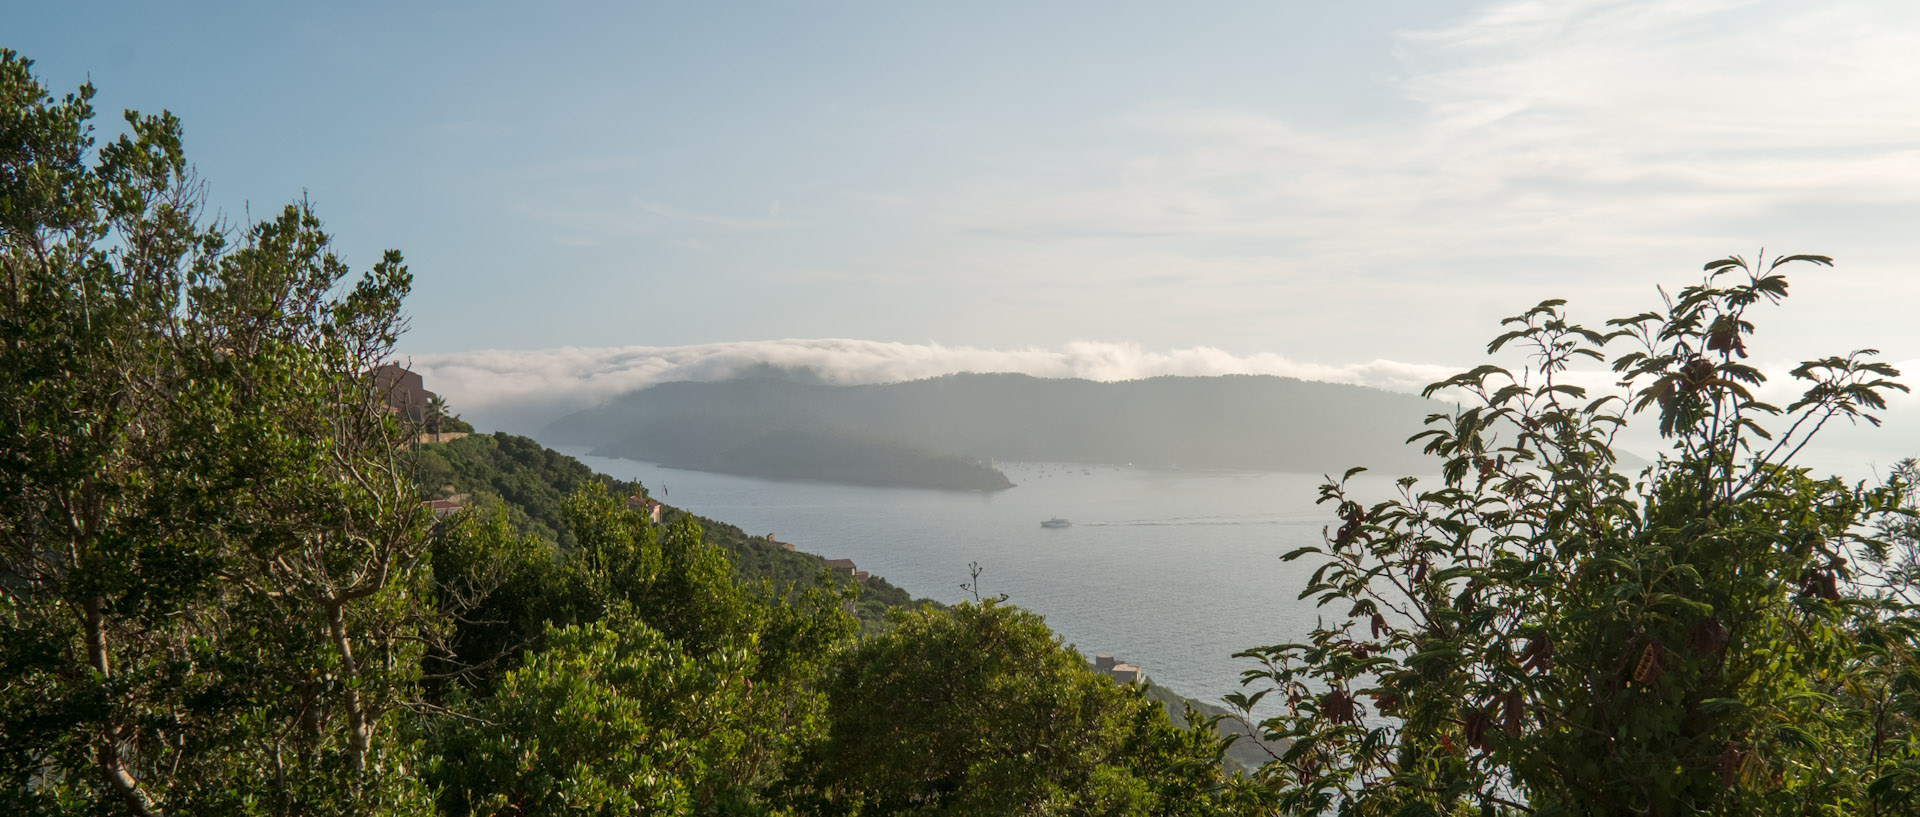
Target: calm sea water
(1171, 570)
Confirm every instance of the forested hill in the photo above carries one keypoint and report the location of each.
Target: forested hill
(1226, 422)
(504, 473)
(530, 483)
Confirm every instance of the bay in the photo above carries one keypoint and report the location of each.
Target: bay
(1171, 570)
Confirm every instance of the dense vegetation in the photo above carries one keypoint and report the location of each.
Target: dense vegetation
(731, 446)
(1540, 633)
(530, 483)
(1242, 422)
(222, 594)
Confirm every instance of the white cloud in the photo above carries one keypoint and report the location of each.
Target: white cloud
(1536, 130)
(522, 390)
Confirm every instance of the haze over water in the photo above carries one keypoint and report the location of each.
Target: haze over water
(1172, 570)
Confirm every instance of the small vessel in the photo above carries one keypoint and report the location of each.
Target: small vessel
(1056, 522)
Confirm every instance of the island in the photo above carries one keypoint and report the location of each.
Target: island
(946, 432)
(828, 456)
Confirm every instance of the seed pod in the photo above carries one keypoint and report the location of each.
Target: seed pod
(1380, 625)
(1649, 669)
(1338, 707)
(1708, 636)
(1512, 709)
(1538, 654)
(1819, 584)
(1474, 727)
(1730, 765)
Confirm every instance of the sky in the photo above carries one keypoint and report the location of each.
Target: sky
(594, 195)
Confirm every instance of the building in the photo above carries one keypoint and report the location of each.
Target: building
(1119, 671)
(645, 507)
(403, 390)
(449, 505)
(845, 568)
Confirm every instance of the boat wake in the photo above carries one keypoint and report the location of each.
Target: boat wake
(1216, 521)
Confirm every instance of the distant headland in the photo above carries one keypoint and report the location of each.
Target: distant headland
(945, 432)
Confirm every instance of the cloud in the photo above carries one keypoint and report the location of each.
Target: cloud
(1531, 130)
(588, 223)
(523, 390)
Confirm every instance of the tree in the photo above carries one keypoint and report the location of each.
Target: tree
(979, 710)
(610, 718)
(213, 577)
(1540, 633)
(629, 672)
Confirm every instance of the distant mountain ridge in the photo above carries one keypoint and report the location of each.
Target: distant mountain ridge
(1243, 422)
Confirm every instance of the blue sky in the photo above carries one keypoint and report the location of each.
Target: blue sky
(1342, 187)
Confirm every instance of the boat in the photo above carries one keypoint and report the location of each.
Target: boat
(1056, 522)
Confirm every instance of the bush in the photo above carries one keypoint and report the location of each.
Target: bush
(1542, 633)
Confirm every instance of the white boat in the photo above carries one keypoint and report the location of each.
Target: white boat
(1056, 522)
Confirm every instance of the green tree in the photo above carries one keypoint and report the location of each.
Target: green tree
(212, 585)
(611, 718)
(627, 673)
(1541, 633)
(979, 710)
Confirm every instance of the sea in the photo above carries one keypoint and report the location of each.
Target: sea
(1171, 570)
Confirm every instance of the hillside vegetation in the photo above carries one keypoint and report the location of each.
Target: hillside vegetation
(221, 592)
(530, 483)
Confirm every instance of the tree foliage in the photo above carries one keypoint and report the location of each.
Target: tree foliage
(980, 710)
(532, 485)
(1542, 633)
(213, 566)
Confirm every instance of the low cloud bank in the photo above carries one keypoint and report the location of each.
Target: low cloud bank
(522, 391)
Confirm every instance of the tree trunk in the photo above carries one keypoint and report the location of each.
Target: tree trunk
(359, 731)
(107, 750)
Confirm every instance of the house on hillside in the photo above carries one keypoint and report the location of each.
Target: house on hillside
(845, 568)
(448, 502)
(783, 545)
(645, 507)
(1119, 671)
(447, 505)
(403, 390)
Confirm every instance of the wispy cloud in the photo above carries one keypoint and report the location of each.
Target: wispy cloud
(1534, 129)
(577, 222)
(771, 222)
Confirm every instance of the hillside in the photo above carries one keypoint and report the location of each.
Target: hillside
(530, 482)
(1248, 752)
(1230, 422)
(806, 454)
